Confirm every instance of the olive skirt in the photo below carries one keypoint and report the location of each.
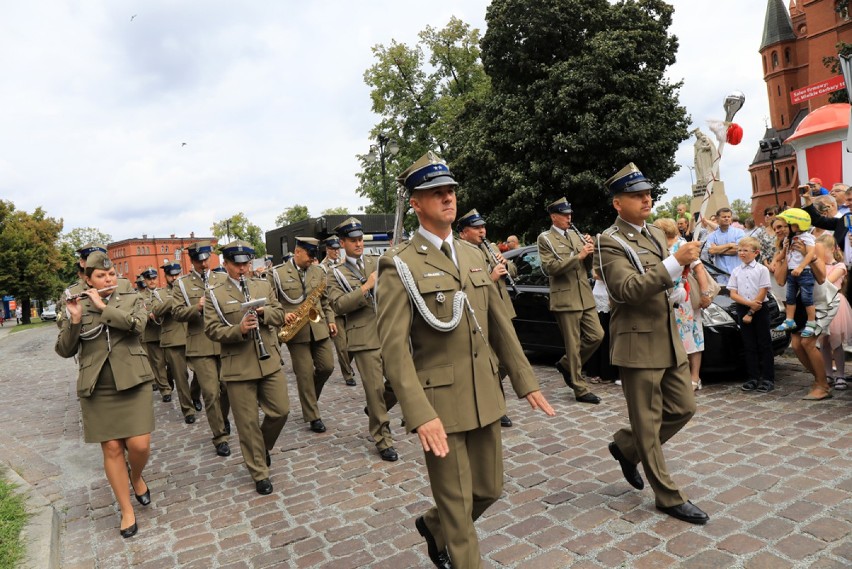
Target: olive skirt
(109, 414)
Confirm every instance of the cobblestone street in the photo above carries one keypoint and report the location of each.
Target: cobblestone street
(774, 473)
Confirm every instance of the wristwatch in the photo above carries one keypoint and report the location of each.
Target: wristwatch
(706, 293)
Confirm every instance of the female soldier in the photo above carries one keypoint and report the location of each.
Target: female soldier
(103, 328)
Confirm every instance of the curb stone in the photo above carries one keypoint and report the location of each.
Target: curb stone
(41, 532)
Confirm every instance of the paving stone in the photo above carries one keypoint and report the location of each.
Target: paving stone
(799, 546)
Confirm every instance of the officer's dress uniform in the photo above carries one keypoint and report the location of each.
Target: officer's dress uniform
(571, 300)
(114, 382)
(250, 381)
(310, 349)
(362, 340)
(344, 358)
(202, 353)
(172, 339)
(452, 375)
(153, 299)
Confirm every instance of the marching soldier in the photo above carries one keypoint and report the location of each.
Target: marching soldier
(300, 285)
(350, 291)
(344, 358)
(151, 336)
(638, 271)
(173, 342)
(201, 353)
(79, 285)
(566, 258)
(472, 228)
(443, 368)
(251, 361)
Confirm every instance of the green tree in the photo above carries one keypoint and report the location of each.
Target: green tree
(73, 240)
(239, 227)
(336, 211)
(30, 260)
(832, 62)
(292, 215)
(669, 208)
(418, 91)
(741, 209)
(579, 89)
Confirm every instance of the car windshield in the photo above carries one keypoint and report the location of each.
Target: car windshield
(529, 269)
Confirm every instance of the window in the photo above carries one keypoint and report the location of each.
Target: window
(787, 175)
(782, 120)
(787, 56)
(779, 90)
(529, 270)
(774, 59)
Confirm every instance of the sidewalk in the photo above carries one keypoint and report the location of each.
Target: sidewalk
(773, 471)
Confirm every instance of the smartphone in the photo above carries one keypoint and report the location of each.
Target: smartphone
(804, 189)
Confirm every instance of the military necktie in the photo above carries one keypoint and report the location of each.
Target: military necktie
(448, 251)
(647, 233)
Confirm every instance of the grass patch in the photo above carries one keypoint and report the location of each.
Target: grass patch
(13, 517)
(34, 323)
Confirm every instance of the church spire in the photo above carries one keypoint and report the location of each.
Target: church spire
(777, 27)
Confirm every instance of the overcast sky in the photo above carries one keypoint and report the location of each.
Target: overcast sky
(99, 97)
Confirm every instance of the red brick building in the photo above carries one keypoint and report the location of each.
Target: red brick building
(795, 40)
(132, 256)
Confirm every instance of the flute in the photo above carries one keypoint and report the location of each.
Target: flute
(79, 295)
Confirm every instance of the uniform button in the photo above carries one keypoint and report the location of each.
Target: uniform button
(475, 354)
(428, 382)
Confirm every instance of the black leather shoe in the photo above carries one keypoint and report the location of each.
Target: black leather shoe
(317, 426)
(628, 469)
(441, 559)
(154, 386)
(223, 449)
(589, 398)
(505, 421)
(268, 460)
(167, 398)
(189, 419)
(565, 375)
(197, 404)
(687, 512)
(227, 427)
(389, 454)
(263, 486)
(129, 531)
(145, 498)
(350, 381)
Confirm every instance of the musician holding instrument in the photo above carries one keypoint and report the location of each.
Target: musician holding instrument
(351, 288)
(566, 258)
(79, 285)
(151, 336)
(199, 352)
(472, 228)
(344, 358)
(242, 314)
(102, 329)
(300, 287)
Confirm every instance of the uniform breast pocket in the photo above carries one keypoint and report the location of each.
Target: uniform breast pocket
(478, 294)
(437, 383)
(232, 312)
(438, 293)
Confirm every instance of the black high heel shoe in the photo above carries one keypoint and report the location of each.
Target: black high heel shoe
(144, 499)
(129, 531)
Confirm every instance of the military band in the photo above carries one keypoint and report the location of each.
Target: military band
(153, 301)
(344, 358)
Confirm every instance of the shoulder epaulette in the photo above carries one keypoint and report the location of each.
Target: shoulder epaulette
(397, 249)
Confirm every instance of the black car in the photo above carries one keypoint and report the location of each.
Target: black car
(538, 332)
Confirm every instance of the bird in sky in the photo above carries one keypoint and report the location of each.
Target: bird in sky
(131, 17)
(182, 144)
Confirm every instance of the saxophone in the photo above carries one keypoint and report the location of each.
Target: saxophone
(308, 311)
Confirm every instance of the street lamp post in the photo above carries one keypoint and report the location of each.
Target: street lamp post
(386, 146)
(772, 146)
(691, 170)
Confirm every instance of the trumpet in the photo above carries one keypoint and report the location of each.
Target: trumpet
(490, 252)
(262, 354)
(80, 295)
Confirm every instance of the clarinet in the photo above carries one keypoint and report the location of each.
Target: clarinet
(258, 340)
(509, 280)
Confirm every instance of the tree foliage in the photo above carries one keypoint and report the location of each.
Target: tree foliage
(30, 260)
(578, 91)
(292, 215)
(669, 208)
(832, 63)
(239, 227)
(341, 210)
(418, 91)
(73, 240)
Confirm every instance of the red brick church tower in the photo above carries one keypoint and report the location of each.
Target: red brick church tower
(795, 40)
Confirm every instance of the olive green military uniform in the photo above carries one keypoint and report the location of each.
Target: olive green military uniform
(202, 353)
(571, 300)
(250, 381)
(311, 348)
(452, 375)
(646, 346)
(153, 299)
(344, 358)
(362, 338)
(114, 379)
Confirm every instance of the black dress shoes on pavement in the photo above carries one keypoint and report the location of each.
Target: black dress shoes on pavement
(505, 421)
(167, 398)
(441, 559)
(565, 375)
(223, 449)
(628, 469)
(263, 487)
(129, 531)
(189, 419)
(389, 454)
(350, 381)
(144, 499)
(317, 426)
(197, 404)
(589, 398)
(687, 512)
